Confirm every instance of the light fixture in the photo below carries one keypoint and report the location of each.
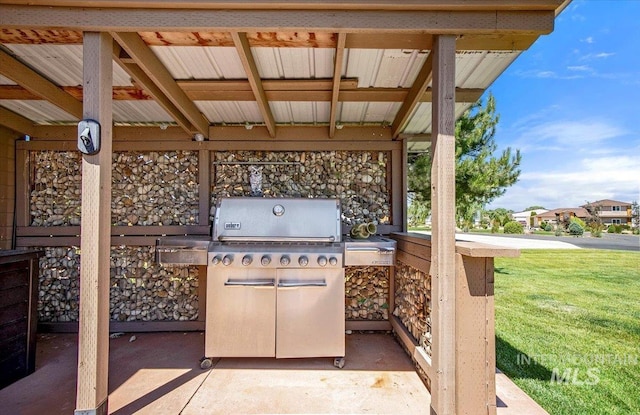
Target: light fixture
(248, 126)
(339, 126)
(198, 137)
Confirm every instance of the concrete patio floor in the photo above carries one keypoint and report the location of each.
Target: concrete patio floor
(159, 373)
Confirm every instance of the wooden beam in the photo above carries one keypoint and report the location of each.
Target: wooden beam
(443, 243)
(413, 97)
(160, 76)
(244, 52)
(16, 122)
(275, 90)
(337, 74)
(93, 342)
(57, 137)
(453, 5)
(509, 41)
(35, 83)
(367, 18)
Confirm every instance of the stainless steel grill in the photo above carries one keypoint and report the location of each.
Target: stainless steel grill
(275, 276)
(275, 279)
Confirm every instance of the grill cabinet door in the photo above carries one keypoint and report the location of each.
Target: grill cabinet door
(310, 313)
(241, 312)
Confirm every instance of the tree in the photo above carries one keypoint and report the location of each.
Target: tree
(593, 221)
(535, 207)
(635, 214)
(500, 216)
(480, 175)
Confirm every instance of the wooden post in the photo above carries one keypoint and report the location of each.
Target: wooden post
(95, 232)
(443, 264)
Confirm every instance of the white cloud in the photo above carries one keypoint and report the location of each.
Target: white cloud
(576, 183)
(592, 56)
(569, 162)
(583, 68)
(565, 133)
(588, 40)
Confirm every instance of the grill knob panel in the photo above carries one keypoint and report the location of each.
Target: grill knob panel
(303, 261)
(322, 261)
(227, 260)
(333, 261)
(285, 260)
(247, 260)
(265, 260)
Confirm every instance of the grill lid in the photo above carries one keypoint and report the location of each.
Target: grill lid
(277, 219)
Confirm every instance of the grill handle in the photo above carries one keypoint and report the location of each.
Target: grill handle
(297, 284)
(173, 250)
(251, 283)
(371, 249)
(223, 238)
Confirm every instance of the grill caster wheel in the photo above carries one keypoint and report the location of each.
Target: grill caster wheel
(205, 363)
(339, 362)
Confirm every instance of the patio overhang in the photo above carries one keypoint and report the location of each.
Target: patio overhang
(269, 72)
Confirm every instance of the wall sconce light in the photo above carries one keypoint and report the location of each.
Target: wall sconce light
(339, 126)
(248, 126)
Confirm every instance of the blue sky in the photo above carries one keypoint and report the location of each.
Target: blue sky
(571, 104)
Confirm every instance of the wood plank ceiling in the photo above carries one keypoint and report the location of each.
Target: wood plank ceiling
(270, 64)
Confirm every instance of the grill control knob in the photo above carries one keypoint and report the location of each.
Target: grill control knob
(246, 260)
(284, 261)
(322, 260)
(216, 260)
(333, 261)
(265, 260)
(303, 261)
(227, 260)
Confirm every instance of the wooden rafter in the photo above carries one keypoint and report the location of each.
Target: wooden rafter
(337, 73)
(413, 97)
(244, 51)
(142, 79)
(16, 122)
(149, 63)
(38, 85)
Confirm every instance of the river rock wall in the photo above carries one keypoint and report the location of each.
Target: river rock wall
(161, 188)
(141, 290)
(358, 178)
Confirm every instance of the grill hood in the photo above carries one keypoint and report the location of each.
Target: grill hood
(277, 219)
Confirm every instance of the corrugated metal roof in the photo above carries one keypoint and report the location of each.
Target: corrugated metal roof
(6, 81)
(477, 69)
(40, 112)
(139, 111)
(207, 62)
(384, 68)
(62, 64)
(230, 112)
(300, 112)
(294, 63)
(374, 68)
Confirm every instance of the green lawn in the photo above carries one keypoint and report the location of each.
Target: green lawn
(572, 314)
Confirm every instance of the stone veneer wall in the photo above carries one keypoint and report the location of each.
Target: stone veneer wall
(161, 188)
(413, 303)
